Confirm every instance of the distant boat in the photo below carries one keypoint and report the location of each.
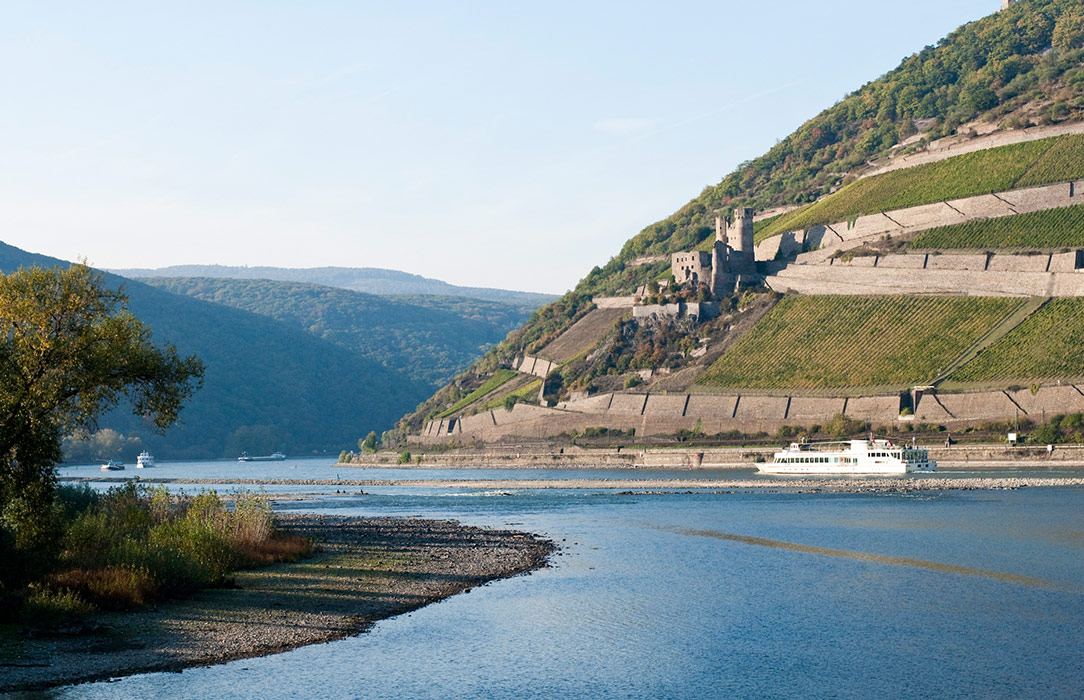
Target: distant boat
(144, 460)
(112, 466)
(273, 457)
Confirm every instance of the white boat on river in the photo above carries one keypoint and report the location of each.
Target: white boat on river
(873, 456)
(144, 460)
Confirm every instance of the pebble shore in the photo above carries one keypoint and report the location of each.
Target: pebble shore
(366, 570)
(901, 484)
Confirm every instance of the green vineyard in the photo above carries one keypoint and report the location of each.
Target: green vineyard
(1053, 228)
(818, 342)
(1047, 345)
(499, 378)
(993, 170)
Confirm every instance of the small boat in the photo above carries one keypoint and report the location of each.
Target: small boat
(112, 466)
(873, 456)
(144, 460)
(273, 457)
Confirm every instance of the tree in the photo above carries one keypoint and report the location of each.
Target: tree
(370, 443)
(70, 351)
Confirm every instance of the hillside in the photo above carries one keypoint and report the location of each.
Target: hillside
(368, 280)
(268, 385)
(429, 339)
(1012, 70)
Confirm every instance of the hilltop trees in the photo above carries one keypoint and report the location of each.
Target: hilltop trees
(68, 353)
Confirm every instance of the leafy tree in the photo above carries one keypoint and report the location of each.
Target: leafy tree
(370, 444)
(69, 351)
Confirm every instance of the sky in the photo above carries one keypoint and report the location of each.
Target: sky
(496, 144)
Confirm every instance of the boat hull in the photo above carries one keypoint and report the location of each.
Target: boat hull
(843, 469)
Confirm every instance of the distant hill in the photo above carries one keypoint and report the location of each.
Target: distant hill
(359, 279)
(427, 338)
(269, 385)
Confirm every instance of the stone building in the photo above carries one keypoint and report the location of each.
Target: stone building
(1005, 4)
(731, 263)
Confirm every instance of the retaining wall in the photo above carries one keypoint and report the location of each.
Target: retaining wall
(842, 235)
(659, 414)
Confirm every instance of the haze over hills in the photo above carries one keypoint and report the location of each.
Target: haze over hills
(268, 386)
(821, 230)
(359, 279)
(428, 338)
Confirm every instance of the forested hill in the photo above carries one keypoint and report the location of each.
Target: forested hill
(1016, 68)
(359, 279)
(269, 386)
(429, 339)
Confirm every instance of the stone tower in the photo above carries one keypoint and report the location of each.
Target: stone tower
(722, 282)
(1005, 4)
(742, 260)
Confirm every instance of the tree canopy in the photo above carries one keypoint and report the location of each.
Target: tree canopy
(69, 351)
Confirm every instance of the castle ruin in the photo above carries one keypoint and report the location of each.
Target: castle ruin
(1005, 4)
(731, 263)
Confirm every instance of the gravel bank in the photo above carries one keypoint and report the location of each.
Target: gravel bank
(368, 570)
(815, 484)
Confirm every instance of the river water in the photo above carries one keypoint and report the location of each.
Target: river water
(976, 594)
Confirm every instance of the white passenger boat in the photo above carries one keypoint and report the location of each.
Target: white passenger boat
(144, 460)
(112, 466)
(873, 456)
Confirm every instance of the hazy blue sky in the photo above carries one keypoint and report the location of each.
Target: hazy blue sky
(503, 144)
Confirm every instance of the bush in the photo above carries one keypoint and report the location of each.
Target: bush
(49, 608)
(404, 458)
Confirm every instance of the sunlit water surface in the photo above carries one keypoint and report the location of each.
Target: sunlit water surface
(749, 595)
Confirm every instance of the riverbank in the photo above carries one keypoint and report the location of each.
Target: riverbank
(899, 484)
(366, 570)
(536, 456)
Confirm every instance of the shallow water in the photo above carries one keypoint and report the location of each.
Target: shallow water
(750, 595)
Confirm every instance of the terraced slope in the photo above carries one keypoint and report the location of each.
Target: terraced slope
(818, 342)
(1047, 345)
(994, 170)
(583, 335)
(1053, 228)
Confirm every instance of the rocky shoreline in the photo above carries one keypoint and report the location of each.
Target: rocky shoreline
(365, 570)
(898, 484)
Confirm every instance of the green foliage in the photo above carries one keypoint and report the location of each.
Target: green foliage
(1053, 228)
(993, 170)
(370, 444)
(71, 352)
(428, 339)
(404, 458)
(528, 393)
(132, 546)
(1046, 345)
(1058, 430)
(499, 378)
(263, 376)
(632, 381)
(813, 342)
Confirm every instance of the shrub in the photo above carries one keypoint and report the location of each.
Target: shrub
(49, 608)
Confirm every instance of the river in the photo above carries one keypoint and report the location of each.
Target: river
(753, 594)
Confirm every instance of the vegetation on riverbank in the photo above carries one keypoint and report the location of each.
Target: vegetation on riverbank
(132, 546)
